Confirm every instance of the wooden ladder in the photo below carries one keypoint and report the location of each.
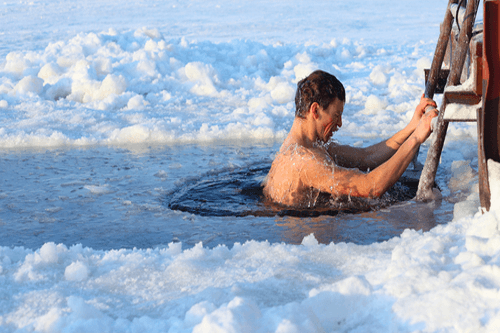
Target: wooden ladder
(467, 95)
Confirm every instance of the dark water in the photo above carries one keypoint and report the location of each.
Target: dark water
(240, 193)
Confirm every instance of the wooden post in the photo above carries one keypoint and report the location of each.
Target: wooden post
(437, 61)
(489, 118)
(441, 46)
(424, 192)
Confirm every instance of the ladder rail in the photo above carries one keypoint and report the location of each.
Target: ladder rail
(437, 61)
(440, 52)
(489, 119)
(427, 178)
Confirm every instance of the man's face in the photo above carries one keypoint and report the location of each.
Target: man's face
(331, 119)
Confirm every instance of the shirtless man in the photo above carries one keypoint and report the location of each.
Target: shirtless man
(306, 165)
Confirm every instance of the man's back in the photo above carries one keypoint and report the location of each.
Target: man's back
(287, 179)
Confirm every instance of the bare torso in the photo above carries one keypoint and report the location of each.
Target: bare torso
(286, 183)
(304, 169)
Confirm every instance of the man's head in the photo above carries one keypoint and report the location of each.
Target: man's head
(320, 87)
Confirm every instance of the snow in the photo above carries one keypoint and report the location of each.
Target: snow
(466, 86)
(494, 177)
(444, 279)
(87, 88)
(455, 111)
(144, 85)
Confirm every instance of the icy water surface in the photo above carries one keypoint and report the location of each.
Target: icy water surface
(108, 198)
(239, 192)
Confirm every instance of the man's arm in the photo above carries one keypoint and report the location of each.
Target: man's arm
(371, 157)
(367, 158)
(342, 182)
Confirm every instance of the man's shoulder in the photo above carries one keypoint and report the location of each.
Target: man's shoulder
(300, 152)
(321, 152)
(311, 157)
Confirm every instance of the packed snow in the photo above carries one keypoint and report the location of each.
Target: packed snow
(461, 112)
(106, 106)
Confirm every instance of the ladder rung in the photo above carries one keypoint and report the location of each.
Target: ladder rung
(461, 106)
(441, 79)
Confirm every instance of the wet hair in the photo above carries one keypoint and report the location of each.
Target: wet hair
(320, 87)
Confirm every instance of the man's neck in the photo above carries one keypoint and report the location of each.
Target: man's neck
(302, 134)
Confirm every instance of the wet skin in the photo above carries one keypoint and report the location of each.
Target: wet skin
(306, 166)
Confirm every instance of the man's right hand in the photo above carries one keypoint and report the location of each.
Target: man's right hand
(423, 129)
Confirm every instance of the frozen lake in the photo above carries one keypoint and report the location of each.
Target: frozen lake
(107, 108)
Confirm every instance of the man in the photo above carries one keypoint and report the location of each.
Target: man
(307, 166)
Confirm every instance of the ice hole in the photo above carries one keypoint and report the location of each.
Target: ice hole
(239, 192)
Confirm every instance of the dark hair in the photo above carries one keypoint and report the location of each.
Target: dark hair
(320, 87)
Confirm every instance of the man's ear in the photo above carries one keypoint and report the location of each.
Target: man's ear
(314, 109)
